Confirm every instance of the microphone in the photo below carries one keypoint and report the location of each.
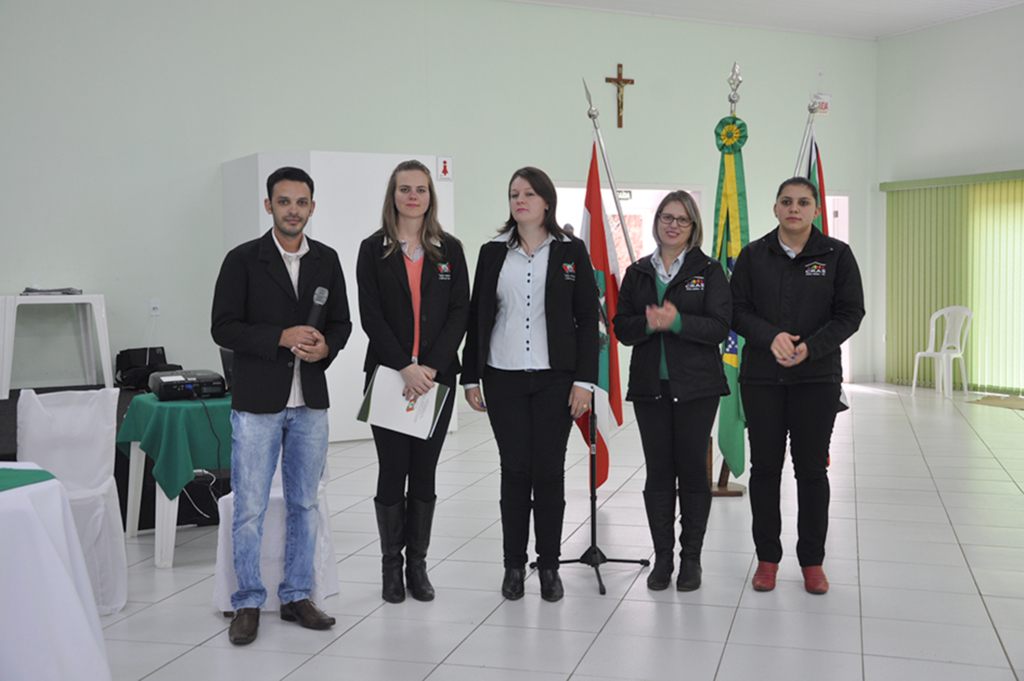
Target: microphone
(317, 311)
(568, 229)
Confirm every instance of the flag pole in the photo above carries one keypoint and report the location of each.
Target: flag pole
(724, 488)
(593, 556)
(594, 113)
(812, 109)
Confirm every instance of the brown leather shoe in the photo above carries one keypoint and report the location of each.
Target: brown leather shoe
(814, 580)
(244, 626)
(764, 576)
(306, 614)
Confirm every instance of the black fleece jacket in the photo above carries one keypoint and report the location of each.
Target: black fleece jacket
(700, 292)
(817, 296)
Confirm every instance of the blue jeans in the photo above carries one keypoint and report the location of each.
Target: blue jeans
(300, 435)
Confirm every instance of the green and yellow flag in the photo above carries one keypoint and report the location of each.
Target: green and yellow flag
(731, 235)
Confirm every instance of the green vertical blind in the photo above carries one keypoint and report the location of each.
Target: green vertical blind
(958, 243)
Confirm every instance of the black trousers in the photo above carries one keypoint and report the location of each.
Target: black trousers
(401, 457)
(675, 439)
(529, 413)
(807, 413)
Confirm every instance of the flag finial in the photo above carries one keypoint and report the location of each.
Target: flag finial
(592, 112)
(735, 80)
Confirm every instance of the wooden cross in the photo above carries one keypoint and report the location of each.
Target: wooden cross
(621, 84)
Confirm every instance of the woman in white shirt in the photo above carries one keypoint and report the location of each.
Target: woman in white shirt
(533, 345)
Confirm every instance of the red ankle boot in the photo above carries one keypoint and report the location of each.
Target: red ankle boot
(764, 576)
(814, 580)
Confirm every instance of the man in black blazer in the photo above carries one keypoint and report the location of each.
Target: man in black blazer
(265, 312)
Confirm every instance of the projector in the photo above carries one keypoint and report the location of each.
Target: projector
(186, 384)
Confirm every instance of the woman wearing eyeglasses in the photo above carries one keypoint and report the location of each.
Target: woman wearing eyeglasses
(674, 309)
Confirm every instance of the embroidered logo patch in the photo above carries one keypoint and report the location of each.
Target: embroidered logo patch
(695, 284)
(815, 269)
(569, 269)
(444, 271)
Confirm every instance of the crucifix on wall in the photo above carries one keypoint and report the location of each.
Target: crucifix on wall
(620, 83)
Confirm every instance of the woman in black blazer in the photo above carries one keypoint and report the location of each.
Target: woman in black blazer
(675, 308)
(532, 342)
(413, 303)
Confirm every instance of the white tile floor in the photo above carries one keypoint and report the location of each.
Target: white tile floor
(925, 557)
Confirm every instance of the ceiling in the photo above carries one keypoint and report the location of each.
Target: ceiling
(861, 19)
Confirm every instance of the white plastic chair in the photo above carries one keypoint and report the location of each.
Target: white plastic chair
(325, 561)
(958, 324)
(71, 434)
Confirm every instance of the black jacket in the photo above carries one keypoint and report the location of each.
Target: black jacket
(700, 292)
(817, 296)
(570, 298)
(385, 308)
(254, 301)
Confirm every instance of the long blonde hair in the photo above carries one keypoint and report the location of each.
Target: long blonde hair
(430, 234)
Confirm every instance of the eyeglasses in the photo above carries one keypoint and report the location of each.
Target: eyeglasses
(667, 220)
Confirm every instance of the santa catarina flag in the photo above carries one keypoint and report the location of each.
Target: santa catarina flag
(731, 235)
(596, 233)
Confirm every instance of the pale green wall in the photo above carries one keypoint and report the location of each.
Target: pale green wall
(117, 115)
(949, 103)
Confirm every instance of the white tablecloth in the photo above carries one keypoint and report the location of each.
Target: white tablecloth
(49, 626)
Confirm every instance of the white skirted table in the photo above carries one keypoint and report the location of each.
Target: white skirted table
(50, 628)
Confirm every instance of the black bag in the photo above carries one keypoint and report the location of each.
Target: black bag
(134, 366)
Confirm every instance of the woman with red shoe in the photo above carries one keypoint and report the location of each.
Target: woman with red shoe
(797, 296)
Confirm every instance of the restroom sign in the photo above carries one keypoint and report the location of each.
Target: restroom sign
(444, 168)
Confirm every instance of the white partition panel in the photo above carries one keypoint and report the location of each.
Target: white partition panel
(349, 194)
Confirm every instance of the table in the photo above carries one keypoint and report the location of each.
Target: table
(83, 305)
(50, 627)
(178, 436)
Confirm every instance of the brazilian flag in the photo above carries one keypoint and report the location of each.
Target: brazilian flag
(731, 235)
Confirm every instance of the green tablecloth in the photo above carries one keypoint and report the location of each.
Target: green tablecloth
(178, 437)
(17, 477)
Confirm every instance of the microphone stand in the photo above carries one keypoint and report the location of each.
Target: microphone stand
(594, 556)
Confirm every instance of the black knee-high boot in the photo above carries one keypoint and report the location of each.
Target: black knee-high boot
(418, 520)
(391, 526)
(694, 509)
(661, 514)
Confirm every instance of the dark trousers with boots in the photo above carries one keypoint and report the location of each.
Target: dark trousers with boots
(530, 417)
(402, 524)
(675, 439)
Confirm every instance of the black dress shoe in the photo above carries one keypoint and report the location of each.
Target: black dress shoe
(306, 614)
(512, 585)
(244, 626)
(551, 585)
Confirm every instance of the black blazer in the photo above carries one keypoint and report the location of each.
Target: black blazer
(570, 298)
(385, 308)
(700, 292)
(254, 301)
